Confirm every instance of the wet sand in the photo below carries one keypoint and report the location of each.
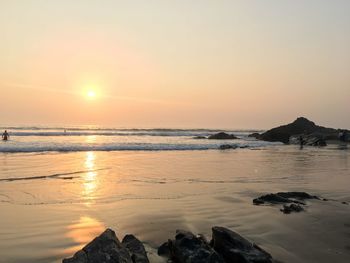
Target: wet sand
(151, 194)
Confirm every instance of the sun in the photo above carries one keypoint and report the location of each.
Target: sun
(91, 94)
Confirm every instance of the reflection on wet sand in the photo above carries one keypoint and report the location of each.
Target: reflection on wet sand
(90, 178)
(82, 232)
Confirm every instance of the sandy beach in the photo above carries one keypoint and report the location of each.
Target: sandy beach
(151, 194)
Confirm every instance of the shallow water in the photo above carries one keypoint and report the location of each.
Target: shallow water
(53, 203)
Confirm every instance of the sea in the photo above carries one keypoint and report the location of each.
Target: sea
(62, 186)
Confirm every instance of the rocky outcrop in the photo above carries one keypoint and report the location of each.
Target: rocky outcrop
(234, 248)
(292, 201)
(301, 126)
(107, 248)
(222, 136)
(225, 246)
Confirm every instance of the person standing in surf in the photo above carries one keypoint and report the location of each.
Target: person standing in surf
(5, 135)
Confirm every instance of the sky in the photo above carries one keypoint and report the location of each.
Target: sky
(182, 64)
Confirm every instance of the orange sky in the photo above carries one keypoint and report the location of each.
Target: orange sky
(215, 64)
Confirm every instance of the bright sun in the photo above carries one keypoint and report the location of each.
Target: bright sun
(91, 94)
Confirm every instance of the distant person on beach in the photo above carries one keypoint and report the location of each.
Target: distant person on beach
(5, 135)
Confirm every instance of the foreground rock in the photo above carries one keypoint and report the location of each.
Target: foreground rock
(295, 199)
(225, 246)
(136, 249)
(107, 248)
(222, 136)
(234, 248)
(301, 127)
(188, 248)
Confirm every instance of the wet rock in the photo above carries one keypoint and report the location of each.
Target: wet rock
(294, 199)
(287, 209)
(136, 249)
(222, 136)
(297, 195)
(284, 197)
(236, 249)
(188, 248)
(199, 137)
(225, 246)
(227, 146)
(254, 135)
(105, 248)
(345, 203)
(164, 249)
(270, 199)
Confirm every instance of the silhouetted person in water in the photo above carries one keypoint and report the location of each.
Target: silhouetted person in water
(301, 141)
(343, 136)
(5, 135)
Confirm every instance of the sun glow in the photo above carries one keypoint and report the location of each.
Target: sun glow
(91, 94)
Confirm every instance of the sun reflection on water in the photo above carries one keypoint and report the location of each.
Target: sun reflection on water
(83, 231)
(90, 178)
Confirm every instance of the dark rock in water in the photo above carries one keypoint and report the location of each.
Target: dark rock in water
(136, 249)
(227, 146)
(284, 197)
(255, 135)
(188, 248)
(295, 199)
(105, 248)
(236, 249)
(301, 126)
(287, 209)
(222, 136)
(345, 203)
(271, 199)
(199, 137)
(244, 146)
(297, 195)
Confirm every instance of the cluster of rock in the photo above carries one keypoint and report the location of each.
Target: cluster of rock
(107, 248)
(304, 132)
(226, 246)
(292, 201)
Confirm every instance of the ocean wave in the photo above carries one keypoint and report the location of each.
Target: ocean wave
(83, 128)
(94, 133)
(123, 147)
(172, 133)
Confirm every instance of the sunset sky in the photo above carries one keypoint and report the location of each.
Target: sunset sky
(210, 64)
